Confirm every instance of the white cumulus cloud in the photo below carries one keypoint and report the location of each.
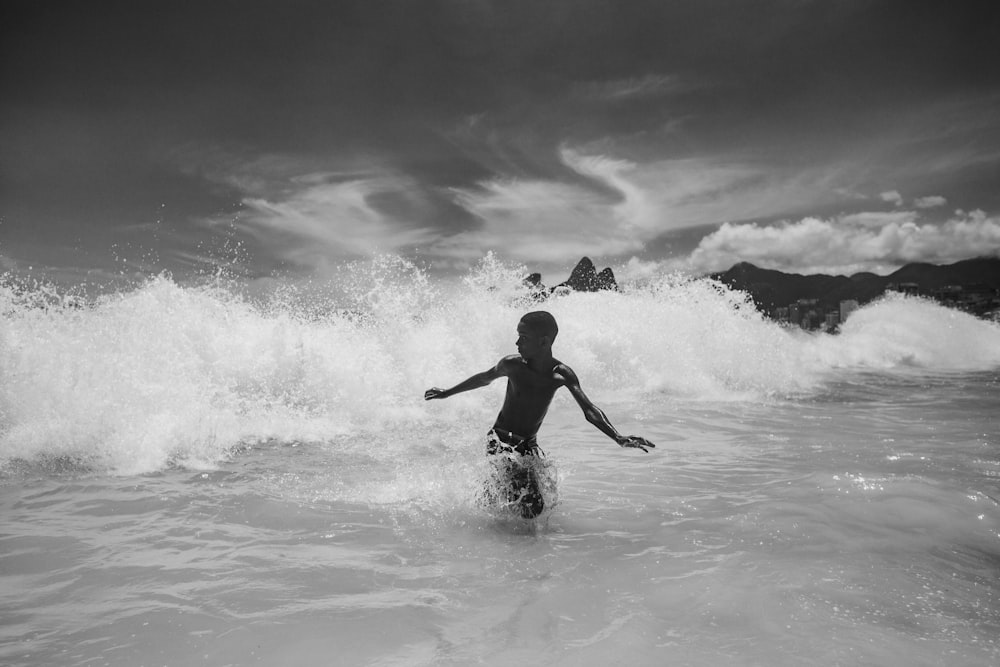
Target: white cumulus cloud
(892, 196)
(847, 244)
(932, 201)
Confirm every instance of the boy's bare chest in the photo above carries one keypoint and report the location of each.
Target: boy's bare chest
(531, 383)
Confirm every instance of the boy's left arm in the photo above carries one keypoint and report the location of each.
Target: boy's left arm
(596, 416)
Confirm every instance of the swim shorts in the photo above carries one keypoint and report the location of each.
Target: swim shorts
(515, 459)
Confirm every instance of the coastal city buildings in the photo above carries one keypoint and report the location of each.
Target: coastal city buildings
(812, 315)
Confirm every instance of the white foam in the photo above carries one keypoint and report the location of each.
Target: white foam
(900, 332)
(169, 374)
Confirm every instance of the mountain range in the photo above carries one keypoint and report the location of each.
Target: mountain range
(770, 289)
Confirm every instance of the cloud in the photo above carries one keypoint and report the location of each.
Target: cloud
(929, 202)
(651, 85)
(588, 203)
(308, 217)
(322, 220)
(875, 219)
(849, 193)
(636, 270)
(892, 196)
(609, 206)
(551, 221)
(847, 244)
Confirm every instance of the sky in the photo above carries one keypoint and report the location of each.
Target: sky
(290, 137)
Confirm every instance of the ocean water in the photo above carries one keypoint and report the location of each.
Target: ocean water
(228, 474)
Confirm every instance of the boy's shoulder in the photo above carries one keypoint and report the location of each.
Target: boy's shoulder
(564, 372)
(509, 362)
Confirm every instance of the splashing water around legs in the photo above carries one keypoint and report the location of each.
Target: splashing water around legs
(517, 484)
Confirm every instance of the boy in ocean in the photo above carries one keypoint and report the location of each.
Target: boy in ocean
(533, 376)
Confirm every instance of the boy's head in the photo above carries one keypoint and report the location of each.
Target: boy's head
(541, 323)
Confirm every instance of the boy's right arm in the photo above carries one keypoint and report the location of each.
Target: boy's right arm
(474, 382)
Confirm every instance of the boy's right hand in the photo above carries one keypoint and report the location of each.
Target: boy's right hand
(433, 392)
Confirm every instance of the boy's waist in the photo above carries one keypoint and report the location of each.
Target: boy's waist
(513, 441)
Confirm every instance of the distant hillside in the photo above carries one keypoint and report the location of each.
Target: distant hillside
(770, 289)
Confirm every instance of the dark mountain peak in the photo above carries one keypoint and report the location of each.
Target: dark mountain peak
(584, 278)
(983, 270)
(583, 271)
(743, 267)
(606, 280)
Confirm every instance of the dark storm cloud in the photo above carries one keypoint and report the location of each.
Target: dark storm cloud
(547, 128)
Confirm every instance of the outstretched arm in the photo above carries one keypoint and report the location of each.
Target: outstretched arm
(474, 382)
(597, 417)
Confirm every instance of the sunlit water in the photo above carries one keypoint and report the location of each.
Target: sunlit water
(191, 476)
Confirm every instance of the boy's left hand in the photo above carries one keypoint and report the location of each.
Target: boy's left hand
(636, 441)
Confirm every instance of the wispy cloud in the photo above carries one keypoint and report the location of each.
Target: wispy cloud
(548, 221)
(613, 209)
(614, 206)
(631, 88)
(312, 218)
(323, 220)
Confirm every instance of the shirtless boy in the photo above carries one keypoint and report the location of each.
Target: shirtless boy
(533, 376)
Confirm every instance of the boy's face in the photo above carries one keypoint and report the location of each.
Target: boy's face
(529, 341)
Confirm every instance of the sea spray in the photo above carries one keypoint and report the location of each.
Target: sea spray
(167, 374)
(689, 338)
(898, 332)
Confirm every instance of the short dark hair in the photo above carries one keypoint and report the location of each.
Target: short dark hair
(541, 322)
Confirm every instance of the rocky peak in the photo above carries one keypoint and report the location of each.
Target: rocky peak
(583, 278)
